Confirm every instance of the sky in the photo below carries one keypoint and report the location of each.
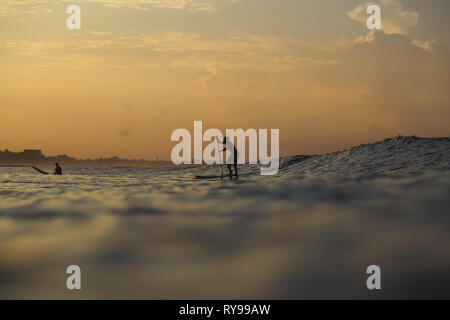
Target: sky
(139, 69)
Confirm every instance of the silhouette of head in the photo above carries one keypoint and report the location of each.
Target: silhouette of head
(57, 164)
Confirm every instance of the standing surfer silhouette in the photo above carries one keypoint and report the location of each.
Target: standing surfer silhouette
(233, 158)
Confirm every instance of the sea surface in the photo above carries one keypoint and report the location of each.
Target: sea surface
(310, 231)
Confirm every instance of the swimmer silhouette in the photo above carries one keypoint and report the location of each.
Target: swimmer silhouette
(58, 169)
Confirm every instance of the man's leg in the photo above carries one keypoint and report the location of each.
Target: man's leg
(236, 171)
(230, 171)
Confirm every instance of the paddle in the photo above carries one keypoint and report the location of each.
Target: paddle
(220, 151)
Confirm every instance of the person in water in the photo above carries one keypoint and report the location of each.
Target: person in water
(58, 169)
(233, 159)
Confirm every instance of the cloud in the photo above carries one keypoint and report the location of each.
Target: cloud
(11, 8)
(394, 19)
(402, 79)
(202, 5)
(390, 83)
(381, 87)
(100, 33)
(175, 49)
(7, 11)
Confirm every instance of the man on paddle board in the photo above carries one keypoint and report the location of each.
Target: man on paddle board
(233, 158)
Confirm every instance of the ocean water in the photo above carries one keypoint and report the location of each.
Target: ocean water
(309, 232)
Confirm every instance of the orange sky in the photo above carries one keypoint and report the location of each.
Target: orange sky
(139, 69)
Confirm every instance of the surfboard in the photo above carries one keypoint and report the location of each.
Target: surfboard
(39, 170)
(207, 177)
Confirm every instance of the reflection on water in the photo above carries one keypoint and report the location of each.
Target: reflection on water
(309, 232)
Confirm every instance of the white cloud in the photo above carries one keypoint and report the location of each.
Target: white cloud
(394, 19)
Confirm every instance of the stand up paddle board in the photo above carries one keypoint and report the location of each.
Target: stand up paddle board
(207, 177)
(39, 170)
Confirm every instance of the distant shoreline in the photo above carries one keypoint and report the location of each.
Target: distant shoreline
(35, 157)
(12, 166)
(80, 165)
